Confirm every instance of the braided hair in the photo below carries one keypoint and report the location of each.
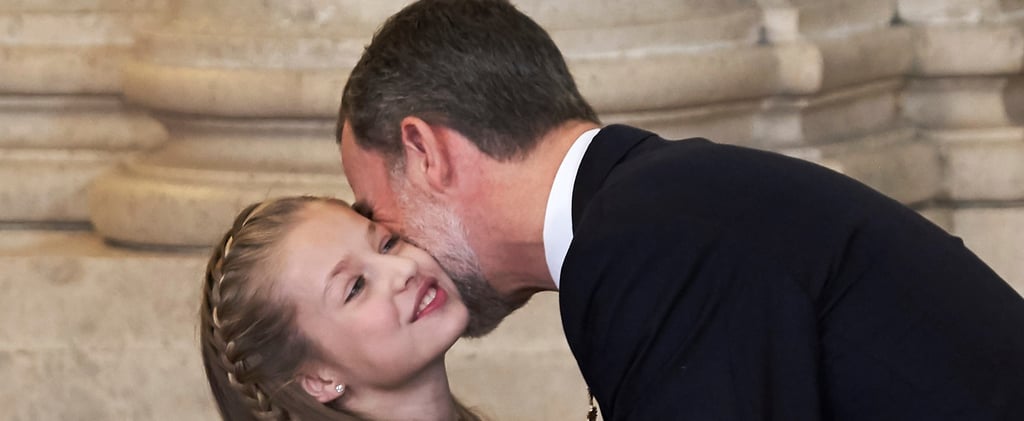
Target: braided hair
(250, 347)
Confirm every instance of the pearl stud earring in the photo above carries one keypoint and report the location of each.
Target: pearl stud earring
(339, 388)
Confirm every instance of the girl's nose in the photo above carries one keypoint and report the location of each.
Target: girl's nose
(396, 272)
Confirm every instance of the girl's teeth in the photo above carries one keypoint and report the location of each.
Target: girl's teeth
(427, 299)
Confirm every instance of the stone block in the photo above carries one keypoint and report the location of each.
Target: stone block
(234, 92)
(60, 70)
(91, 295)
(48, 186)
(696, 22)
(800, 68)
(828, 117)
(186, 192)
(984, 168)
(731, 122)
(189, 207)
(513, 390)
(159, 381)
(52, 147)
(239, 59)
(893, 162)
(821, 17)
(946, 11)
(675, 79)
(80, 5)
(943, 217)
(1013, 100)
(527, 343)
(967, 50)
(859, 58)
(317, 17)
(49, 47)
(1010, 6)
(97, 123)
(584, 27)
(108, 333)
(956, 103)
(996, 235)
(781, 21)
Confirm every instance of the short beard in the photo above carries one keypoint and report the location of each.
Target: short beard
(436, 228)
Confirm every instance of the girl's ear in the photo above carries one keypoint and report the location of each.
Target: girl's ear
(322, 385)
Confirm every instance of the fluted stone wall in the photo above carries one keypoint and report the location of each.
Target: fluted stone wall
(61, 122)
(963, 93)
(247, 92)
(156, 120)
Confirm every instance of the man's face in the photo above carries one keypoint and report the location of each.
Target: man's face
(426, 222)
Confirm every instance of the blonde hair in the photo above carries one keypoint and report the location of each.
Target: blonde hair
(251, 348)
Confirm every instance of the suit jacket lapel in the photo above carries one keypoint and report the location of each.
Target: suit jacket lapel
(607, 149)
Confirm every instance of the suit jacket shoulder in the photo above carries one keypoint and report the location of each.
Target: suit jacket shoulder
(708, 281)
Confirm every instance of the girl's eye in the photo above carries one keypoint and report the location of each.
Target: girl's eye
(389, 244)
(357, 286)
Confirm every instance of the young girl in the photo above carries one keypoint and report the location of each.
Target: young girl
(310, 311)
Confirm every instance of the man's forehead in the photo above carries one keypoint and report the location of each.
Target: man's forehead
(350, 151)
(361, 166)
(368, 176)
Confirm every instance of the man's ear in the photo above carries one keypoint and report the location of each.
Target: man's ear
(427, 154)
(320, 384)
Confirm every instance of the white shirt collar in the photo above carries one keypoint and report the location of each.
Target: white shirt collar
(558, 215)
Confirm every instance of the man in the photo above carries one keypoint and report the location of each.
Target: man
(697, 281)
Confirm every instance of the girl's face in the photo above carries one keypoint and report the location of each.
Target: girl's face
(380, 310)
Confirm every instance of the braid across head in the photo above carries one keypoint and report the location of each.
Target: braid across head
(251, 349)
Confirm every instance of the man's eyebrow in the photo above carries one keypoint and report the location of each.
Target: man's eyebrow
(363, 209)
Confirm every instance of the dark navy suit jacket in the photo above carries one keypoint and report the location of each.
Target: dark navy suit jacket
(714, 282)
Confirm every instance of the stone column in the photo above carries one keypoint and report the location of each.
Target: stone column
(965, 96)
(61, 121)
(248, 92)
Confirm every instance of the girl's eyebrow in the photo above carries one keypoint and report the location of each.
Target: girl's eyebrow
(343, 263)
(338, 268)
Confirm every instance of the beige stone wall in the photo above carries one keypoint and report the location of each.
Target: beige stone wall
(131, 131)
(61, 121)
(963, 96)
